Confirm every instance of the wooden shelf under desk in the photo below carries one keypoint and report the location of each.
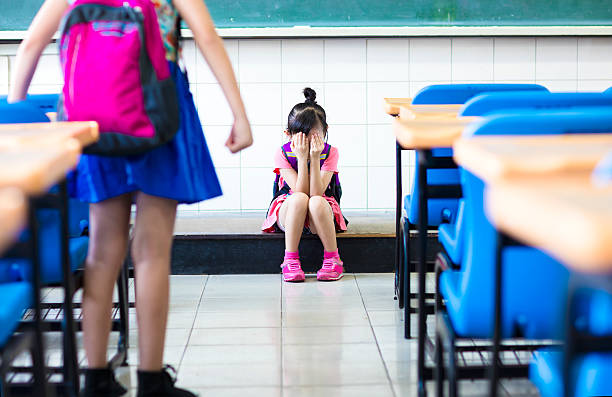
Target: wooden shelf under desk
(12, 215)
(565, 215)
(492, 158)
(47, 134)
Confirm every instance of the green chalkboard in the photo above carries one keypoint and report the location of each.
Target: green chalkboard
(16, 14)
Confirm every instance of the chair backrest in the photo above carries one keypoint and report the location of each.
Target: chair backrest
(45, 102)
(528, 267)
(21, 112)
(497, 102)
(449, 94)
(458, 94)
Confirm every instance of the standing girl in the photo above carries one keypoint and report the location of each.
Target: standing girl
(180, 171)
(308, 191)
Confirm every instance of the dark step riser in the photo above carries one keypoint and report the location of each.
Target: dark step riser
(264, 255)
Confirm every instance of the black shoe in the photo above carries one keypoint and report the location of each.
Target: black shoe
(101, 382)
(160, 384)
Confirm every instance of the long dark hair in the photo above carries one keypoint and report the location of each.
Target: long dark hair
(307, 115)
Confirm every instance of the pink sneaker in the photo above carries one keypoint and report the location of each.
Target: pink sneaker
(292, 271)
(331, 270)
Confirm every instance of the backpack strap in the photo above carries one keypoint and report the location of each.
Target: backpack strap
(325, 153)
(289, 155)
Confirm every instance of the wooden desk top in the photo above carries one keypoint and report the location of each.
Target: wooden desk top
(35, 169)
(500, 157)
(411, 112)
(565, 215)
(429, 133)
(392, 105)
(12, 215)
(47, 134)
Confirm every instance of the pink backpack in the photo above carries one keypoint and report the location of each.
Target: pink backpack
(116, 73)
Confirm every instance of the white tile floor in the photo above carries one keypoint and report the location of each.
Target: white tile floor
(253, 335)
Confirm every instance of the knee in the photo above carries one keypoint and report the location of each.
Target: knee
(299, 200)
(317, 204)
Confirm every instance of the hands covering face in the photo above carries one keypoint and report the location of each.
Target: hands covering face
(303, 145)
(300, 145)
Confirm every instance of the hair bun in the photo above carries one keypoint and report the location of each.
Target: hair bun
(310, 95)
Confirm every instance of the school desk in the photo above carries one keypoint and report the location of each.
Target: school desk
(12, 215)
(392, 105)
(565, 215)
(47, 134)
(533, 160)
(35, 169)
(493, 158)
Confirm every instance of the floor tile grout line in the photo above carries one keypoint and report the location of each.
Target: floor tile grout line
(375, 338)
(193, 323)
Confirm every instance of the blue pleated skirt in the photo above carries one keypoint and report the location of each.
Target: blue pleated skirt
(181, 170)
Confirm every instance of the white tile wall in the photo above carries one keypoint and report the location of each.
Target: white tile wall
(256, 187)
(556, 58)
(514, 59)
(345, 103)
(216, 136)
(351, 76)
(472, 59)
(387, 59)
(303, 60)
(351, 141)
(260, 61)
(430, 59)
(213, 108)
(345, 60)
(594, 58)
(381, 187)
(262, 102)
(4, 71)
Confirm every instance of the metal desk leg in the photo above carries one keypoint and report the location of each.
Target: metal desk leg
(422, 332)
(398, 216)
(71, 363)
(494, 375)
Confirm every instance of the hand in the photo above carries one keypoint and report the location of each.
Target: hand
(300, 146)
(316, 146)
(240, 137)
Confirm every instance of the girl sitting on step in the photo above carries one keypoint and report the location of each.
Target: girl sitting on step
(307, 191)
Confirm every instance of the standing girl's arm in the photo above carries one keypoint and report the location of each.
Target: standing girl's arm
(195, 13)
(318, 180)
(39, 35)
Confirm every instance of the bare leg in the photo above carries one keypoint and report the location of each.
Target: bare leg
(151, 248)
(292, 215)
(108, 232)
(322, 218)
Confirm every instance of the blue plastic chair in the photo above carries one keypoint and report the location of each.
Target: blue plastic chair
(458, 94)
(450, 235)
(444, 210)
(469, 291)
(31, 111)
(439, 210)
(491, 103)
(590, 373)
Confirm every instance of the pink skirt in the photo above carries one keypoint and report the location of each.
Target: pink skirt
(270, 226)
